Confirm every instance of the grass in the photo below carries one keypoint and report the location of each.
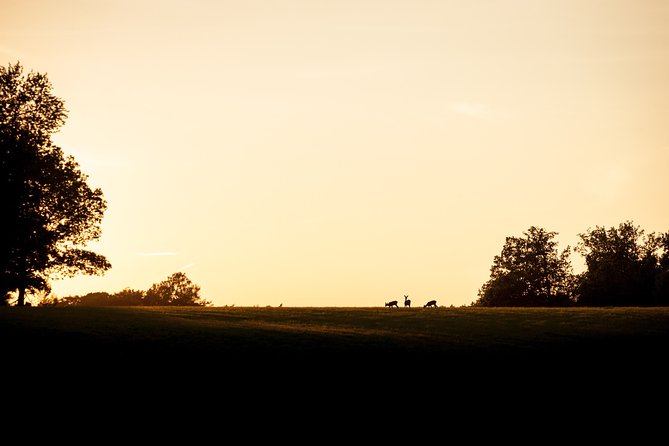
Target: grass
(420, 366)
(453, 341)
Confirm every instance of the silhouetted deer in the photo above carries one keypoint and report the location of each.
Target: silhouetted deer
(432, 303)
(407, 301)
(392, 303)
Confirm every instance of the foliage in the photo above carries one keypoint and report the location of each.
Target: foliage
(529, 272)
(661, 288)
(176, 290)
(126, 297)
(624, 266)
(49, 211)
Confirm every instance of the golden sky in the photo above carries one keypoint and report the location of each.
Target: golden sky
(345, 153)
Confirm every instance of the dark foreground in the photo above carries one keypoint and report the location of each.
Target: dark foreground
(337, 368)
(385, 345)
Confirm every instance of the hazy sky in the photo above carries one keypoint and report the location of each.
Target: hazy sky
(345, 153)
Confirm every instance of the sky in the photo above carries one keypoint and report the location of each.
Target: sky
(348, 153)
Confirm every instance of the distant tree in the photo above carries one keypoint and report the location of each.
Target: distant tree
(529, 272)
(48, 301)
(661, 288)
(176, 290)
(662, 241)
(128, 297)
(95, 299)
(48, 211)
(624, 266)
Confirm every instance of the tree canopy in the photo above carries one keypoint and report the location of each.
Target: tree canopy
(529, 272)
(625, 266)
(176, 290)
(49, 211)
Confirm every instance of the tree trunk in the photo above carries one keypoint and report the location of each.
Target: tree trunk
(22, 296)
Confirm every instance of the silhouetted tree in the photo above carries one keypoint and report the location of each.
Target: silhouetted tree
(48, 301)
(529, 272)
(176, 290)
(48, 211)
(661, 289)
(128, 297)
(95, 299)
(624, 266)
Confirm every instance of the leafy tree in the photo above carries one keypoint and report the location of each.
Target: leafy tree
(663, 245)
(624, 266)
(48, 301)
(48, 210)
(128, 297)
(661, 289)
(529, 272)
(95, 299)
(176, 290)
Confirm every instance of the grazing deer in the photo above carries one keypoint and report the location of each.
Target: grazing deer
(407, 301)
(432, 303)
(392, 303)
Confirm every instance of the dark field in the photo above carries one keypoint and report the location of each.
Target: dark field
(433, 345)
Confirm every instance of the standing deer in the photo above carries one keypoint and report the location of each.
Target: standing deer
(432, 303)
(392, 303)
(407, 301)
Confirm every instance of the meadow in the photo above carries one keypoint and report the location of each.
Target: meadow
(428, 344)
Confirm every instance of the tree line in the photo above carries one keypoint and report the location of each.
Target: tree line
(625, 266)
(177, 290)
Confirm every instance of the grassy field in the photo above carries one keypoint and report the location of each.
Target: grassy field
(422, 342)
